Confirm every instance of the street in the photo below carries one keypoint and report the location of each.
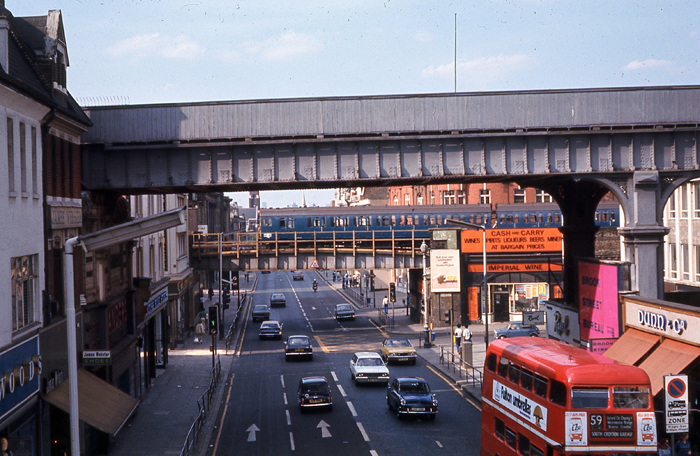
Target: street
(261, 413)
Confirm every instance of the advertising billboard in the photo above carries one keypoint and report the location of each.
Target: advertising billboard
(599, 309)
(516, 240)
(444, 271)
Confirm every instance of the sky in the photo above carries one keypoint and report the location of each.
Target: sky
(170, 51)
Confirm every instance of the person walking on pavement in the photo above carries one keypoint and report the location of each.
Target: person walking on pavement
(199, 331)
(458, 335)
(682, 446)
(466, 334)
(385, 304)
(664, 448)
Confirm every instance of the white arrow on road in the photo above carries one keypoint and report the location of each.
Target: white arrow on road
(324, 429)
(251, 432)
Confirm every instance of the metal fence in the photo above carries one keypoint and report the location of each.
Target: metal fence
(234, 324)
(203, 406)
(471, 373)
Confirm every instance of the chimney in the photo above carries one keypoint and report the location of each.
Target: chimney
(4, 42)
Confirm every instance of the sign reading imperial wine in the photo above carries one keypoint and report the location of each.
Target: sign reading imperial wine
(521, 405)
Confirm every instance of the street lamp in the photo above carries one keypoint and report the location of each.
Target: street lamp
(424, 311)
(484, 292)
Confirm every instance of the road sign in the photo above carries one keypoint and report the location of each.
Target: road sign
(676, 394)
(314, 264)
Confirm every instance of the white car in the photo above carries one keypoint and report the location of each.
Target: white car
(368, 367)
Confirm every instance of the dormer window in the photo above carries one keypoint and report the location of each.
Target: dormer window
(60, 70)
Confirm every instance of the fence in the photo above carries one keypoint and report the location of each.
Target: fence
(471, 373)
(203, 405)
(234, 324)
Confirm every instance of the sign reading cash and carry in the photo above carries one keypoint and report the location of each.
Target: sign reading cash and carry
(676, 393)
(97, 357)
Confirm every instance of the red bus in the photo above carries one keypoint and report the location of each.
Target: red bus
(541, 397)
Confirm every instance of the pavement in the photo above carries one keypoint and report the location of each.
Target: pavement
(168, 410)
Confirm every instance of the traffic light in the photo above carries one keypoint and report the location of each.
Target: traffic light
(213, 319)
(392, 291)
(371, 286)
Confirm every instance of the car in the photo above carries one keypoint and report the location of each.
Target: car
(344, 312)
(411, 396)
(517, 329)
(368, 367)
(297, 275)
(398, 349)
(298, 347)
(261, 312)
(270, 329)
(314, 392)
(278, 299)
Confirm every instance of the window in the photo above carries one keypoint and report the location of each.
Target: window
(519, 195)
(396, 200)
(509, 219)
(500, 429)
(541, 386)
(523, 445)
(542, 197)
(402, 220)
(503, 367)
(11, 155)
(267, 222)
(685, 256)
(557, 217)
(23, 157)
(407, 199)
(589, 398)
(448, 197)
(534, 451)
(432, 220)
(484, 196)
(696, 199)
(24, 281)
(510, 437)
(432, 198)
(514, 373)
(181, 244)
(697, 263)
(684, 201)
(630, 397)
(672, 206)
(672, 263)
(419, 199)
(35, 164)
(409, 220)
(526, 378)
(557, 393)
(393, 220)
(491, 364)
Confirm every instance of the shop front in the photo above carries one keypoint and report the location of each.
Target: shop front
(152, 330)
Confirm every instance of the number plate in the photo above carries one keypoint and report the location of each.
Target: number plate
(315, 400)
(418, 409)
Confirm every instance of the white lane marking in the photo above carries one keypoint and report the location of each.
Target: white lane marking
(285, 398)
(352, 408)
(296, 296)
(438, 443)
(291, 440)
(342, 391)
(251, 432)
(324, 429)
(335, 377)
(362, 431)
(289, 418)
(373, 452)
(282, 380)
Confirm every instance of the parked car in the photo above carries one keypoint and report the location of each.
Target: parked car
(270, 329)
(368, 367)
(314, 392)
(411, 396)
(278, 299)
(344, 312)
(298, 347)
(261, 312)
(398, 349)
(297, 275)
(517, 329)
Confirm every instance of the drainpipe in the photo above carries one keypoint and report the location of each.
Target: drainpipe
(72, 349)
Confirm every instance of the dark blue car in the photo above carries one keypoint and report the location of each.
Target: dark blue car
(411, 396)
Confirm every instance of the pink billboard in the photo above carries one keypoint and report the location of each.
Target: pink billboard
(598, 302)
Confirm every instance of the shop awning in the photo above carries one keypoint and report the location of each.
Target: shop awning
(631, 346)
(100, 404)
(669, 358)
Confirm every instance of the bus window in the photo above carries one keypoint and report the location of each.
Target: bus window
(491, 364)
(589, 398)
(510, 437)
(630, 397)
(540, 386)
(523, 445)
(557, 393)
(503, 367)
(526, 378)
(500, 429)
(514, 373)
(534, 451)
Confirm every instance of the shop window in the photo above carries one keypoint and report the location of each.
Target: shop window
(24, 278)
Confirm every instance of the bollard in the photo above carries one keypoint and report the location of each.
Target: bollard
(426, 337)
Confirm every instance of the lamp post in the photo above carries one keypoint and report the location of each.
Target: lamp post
(424, 311)
(484, 291)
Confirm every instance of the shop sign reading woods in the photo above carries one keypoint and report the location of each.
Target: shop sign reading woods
(512, 240)
(20, 367)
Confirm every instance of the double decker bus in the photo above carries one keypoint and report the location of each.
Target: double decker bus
(544, 397)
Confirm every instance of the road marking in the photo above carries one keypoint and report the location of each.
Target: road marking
(438, 443)
(251, 432)
(342, 391)
(320, 344)
(289, 418)
(459, 390)
(282, 380)
(291, 440)
(285, 398)
(352, 408)
(335, 377)
(324, 429)
(373, 452)
(362, 431)
(223, 415)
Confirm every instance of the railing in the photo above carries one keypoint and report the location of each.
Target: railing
(234, 324)
(203, 404)
(471, 373)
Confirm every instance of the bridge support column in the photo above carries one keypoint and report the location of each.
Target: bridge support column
(644, 235)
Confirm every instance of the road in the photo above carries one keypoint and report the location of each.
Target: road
(261, 414)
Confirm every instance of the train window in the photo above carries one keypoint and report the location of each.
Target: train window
(471, 218)
(604, 216)
(597, 216)
(409, 220)
(612, 216)
(516, 218)
(432, 220)
(549, 217)
(533, 218)
(267, 222)
(393, 220)
(415, 220)
(439, 219)
(379, 220)
(478, 219)
(557, 217)
(425, 220)
(369, 220)
(385, 220)
(334, 221)
(540, 218)
(502, 219)
(309, 222)
(282, 224)
(461, 218)
(509, 218)
(402, 220)
(486, 219)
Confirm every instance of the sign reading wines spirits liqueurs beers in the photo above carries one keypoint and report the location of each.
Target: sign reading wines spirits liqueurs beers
(512, 240)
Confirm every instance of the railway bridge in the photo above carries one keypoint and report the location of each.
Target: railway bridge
(639, 143)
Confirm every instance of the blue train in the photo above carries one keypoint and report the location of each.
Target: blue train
(411, 221)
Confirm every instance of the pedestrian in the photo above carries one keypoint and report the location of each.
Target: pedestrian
(211, 293)
(664, 448)
(467, 334)
(385, 304)
(458, 335)
(4, 444)
(682, 446)
(200, 330)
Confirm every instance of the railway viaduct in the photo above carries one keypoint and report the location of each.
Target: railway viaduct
(639, 143)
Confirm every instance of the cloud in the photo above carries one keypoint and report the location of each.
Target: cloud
(647, 64)
(483, 68)
(422, 37)
(286, 46)
(155, 45)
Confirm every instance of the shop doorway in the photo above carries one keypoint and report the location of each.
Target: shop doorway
(501, 301)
